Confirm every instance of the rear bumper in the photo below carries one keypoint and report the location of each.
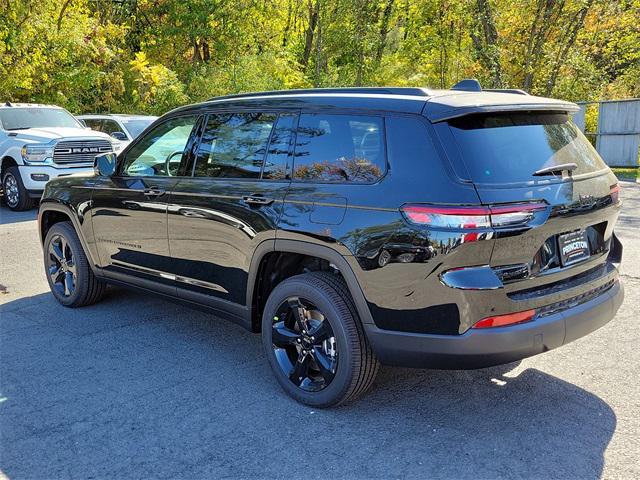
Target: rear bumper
(495, 346)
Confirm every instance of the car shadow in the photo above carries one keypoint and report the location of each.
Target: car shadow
(137, 387)
(8, 216)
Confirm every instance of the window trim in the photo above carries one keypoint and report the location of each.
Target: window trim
(185, 154)
(354, 113)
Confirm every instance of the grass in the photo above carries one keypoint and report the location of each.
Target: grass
(627, 173)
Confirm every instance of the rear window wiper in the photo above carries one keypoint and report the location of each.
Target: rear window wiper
(552, 170)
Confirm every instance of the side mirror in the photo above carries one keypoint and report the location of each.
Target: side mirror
(105, 164)
(119, 136)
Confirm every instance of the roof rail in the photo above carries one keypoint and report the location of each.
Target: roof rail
(468, 85)
(517, 91)
(411, 91)
(473, 85)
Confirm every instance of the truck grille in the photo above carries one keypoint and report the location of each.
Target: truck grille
(80, 151)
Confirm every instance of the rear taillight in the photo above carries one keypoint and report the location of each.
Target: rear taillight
(615, 193)
(504, 320)
(444, 216)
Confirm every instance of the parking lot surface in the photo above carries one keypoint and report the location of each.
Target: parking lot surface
(139, 387)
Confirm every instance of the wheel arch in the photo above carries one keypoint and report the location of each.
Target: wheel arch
(51, 213)
(6, 162)
(307, 249)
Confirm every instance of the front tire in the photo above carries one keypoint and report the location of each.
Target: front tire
(15, 195)
(314, 341)
(70, 277)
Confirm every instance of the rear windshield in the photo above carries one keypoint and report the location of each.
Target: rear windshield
(509, 147)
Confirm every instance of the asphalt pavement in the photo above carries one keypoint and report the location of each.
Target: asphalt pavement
(139, 387)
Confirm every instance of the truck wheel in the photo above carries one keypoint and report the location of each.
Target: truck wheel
(314, 341)
(15, 195)
(70, 277)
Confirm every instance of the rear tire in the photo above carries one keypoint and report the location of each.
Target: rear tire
(16, 197)
(70, 277)
(340, 364)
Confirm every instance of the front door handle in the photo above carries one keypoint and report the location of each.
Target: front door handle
(257, 200)
(153, 192)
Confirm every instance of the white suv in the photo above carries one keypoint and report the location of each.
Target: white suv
(39, 143)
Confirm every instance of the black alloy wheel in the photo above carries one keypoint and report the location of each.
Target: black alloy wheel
(70, 277)
(61, 266)
(314, 341)
(304, 344)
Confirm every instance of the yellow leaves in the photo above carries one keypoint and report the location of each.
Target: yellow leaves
(139, 63)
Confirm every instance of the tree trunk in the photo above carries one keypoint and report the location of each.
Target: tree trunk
(206, 55)
(65, 5)
(485, 42)
(542, 22)
(573, 30)
(314, 11)
(318, 53)
(384, 31)
(197, 58)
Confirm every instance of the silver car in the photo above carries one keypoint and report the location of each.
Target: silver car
(123, 128)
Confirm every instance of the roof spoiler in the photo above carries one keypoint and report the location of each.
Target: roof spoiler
(473, 85)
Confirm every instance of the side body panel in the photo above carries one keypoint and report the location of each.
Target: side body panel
(130, 227)
(396, 264)
(213, 234)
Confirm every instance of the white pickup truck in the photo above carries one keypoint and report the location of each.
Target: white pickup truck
(41, 142)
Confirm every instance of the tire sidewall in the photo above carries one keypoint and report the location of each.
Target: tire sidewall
(11, 173)
(66, 231)
(336, 390)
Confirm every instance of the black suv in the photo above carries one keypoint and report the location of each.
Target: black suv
(352, 227)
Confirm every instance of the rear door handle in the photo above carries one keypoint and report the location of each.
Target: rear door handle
(257, 200)
(153, 192)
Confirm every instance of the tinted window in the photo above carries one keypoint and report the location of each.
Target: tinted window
(135, 127)
(93, 124)
(339, 148)
(234, 145)
(160, 151)
(110, 126)
(15, 118)
(275, 165)
(510, 147)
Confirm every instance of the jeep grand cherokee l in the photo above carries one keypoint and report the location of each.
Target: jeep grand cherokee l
(354, 227)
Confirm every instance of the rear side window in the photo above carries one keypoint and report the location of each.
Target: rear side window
(233, 145)
(509, 147)
(339, 148)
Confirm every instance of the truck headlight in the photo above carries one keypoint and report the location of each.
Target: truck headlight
(37, 152)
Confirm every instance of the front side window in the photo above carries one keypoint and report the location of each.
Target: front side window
(160, 151)
(17, 118)
(233, 145)
(111, 126)
(93, 123)
(339, 148)
(136, 126)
